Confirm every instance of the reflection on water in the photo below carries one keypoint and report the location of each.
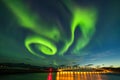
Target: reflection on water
(49, 76)
(63, 76)
(78, 76)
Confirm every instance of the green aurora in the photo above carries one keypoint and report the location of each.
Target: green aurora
(46, 37)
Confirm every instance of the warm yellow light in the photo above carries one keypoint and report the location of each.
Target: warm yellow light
(66, 75)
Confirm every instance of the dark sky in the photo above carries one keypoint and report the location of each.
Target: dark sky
(57, 32)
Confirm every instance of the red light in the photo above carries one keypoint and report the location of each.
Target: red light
(49, 76)
(50, 69)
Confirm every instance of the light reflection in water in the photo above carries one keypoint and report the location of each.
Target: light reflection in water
(50, 74)
(69, 75)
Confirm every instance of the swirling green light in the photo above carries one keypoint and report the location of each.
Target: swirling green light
(85, 19)
(44, 45)
(29, 20)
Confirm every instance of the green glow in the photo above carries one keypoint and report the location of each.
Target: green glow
(21, 11)
(85, 18)
(32, 21)
(45, 46)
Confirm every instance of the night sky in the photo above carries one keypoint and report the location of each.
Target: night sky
(60, 32)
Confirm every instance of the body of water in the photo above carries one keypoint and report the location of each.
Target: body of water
(62, 76)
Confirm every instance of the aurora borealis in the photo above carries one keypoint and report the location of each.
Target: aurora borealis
(58, 32)
(83, 18)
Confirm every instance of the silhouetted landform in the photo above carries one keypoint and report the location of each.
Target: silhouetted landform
(112, 69)
(15, 68)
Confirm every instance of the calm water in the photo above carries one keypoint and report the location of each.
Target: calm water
(62, 76)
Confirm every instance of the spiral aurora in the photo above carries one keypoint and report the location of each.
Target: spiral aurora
(84, 18)
(44, 45)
